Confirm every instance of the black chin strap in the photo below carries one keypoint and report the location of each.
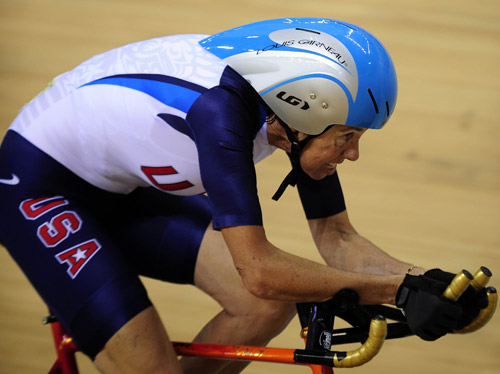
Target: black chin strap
(294, 155)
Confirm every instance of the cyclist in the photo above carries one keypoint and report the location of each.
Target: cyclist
(140, 161)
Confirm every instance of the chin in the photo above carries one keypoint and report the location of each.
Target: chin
(317, 175)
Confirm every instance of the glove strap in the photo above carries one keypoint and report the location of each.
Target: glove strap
(402, 296)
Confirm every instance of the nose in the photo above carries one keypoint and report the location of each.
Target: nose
(352, 151)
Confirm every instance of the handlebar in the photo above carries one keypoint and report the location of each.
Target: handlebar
(350, 359)
(480, 279)
(369, 349)
(319, 326)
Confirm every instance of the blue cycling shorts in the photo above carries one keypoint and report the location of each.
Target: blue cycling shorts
(83, 248)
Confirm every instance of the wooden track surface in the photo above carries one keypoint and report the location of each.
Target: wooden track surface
(426, 188)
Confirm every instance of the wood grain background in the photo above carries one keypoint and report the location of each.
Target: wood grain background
(426, 188)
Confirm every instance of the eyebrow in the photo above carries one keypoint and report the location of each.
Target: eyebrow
(353, 128)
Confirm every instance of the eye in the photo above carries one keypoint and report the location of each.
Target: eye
(343, 139)
(348, 136)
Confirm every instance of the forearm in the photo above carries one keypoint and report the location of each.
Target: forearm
(356, 253)
(274, 274)
(343, 248)
(299, 279)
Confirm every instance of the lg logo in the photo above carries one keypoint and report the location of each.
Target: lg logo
(292, 100)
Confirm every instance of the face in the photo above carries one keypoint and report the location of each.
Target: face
(323, 153)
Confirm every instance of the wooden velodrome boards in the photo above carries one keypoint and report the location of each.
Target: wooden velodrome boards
(426, 188)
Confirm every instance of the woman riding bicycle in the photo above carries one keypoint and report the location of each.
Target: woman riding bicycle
(140, 161)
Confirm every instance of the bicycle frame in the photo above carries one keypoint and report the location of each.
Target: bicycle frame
(317, 319)
(317, 331)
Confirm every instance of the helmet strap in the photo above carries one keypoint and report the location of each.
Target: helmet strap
(296, 149)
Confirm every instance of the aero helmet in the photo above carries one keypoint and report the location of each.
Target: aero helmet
(312, 72)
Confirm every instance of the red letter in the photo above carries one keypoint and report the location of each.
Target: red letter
(53, 232)
(34, 208)
(151, 172)
(76, 258)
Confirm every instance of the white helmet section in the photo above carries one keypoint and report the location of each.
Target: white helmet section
(304, 70)
(309, 91)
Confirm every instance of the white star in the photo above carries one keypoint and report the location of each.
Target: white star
(79, 255)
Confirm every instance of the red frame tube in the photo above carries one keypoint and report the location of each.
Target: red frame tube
(66, 349)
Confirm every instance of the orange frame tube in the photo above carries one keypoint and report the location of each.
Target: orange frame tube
(235, 352)
(244, 352)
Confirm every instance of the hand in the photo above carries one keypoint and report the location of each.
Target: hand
(429, 314)
(472, 301)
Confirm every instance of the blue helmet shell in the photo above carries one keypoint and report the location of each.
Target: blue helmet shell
(313, 72)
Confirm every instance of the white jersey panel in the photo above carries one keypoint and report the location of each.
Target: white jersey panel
(108, 134)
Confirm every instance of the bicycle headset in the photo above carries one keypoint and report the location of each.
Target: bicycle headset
(312, 73)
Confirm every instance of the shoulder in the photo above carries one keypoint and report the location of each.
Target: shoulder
(178, 56)
(231, 103)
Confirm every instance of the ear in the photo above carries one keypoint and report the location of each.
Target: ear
(300, 135)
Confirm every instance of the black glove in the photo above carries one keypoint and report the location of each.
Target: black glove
(429, 314)
(472, 302)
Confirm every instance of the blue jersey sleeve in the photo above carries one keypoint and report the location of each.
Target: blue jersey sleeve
(225, 120)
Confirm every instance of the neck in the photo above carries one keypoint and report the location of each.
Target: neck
(276, 136)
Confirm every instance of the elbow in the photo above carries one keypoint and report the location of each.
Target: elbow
(257, 282)
(261, 290)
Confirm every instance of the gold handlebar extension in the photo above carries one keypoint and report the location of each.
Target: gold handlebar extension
(458, 285)
(480, 279)
(369, 349)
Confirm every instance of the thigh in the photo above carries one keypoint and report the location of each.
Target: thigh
(217, 276)
(162, 233)
(62, 247)
(215, 272)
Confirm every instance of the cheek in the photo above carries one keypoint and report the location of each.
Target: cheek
(319, 155)
(313, 161)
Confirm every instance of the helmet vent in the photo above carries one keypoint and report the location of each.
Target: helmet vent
(387, 108)
(373, 100)
(306, 30)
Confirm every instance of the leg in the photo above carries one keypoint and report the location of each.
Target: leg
(59, 229)
(173, 232)
(245, 319)
(140, 346)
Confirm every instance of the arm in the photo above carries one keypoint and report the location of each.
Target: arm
(271, 273)
(343, 248)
